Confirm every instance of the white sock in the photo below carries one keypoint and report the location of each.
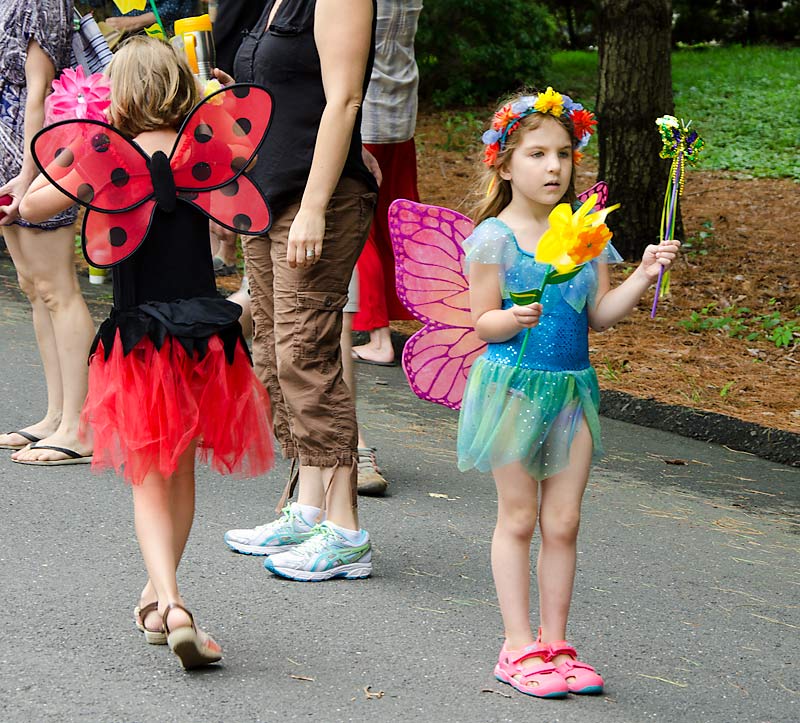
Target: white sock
(355, 537)
(308, 513)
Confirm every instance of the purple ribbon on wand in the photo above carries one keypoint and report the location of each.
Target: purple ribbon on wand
(683, 147)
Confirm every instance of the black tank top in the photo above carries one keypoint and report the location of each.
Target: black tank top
(284, 59)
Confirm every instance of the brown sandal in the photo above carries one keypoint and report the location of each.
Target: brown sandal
(154, 637)
(193, 647)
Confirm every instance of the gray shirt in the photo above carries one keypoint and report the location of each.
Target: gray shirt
(390, 106)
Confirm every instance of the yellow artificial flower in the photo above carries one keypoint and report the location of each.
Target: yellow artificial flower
(210, 87)
(574, 238)
(590, 244)
(549, 102)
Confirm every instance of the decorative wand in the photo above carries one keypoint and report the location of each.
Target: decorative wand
(682, 146)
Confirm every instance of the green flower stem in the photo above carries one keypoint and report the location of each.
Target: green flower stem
(158, 19)
(528, 331)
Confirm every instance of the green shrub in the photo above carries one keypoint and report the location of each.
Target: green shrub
(474, 51)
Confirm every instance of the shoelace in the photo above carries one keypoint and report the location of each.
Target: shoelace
(318, 541)
(286, 515)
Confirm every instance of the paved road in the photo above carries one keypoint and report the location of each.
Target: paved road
(686, 597)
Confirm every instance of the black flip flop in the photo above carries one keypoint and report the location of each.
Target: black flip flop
(361, 360)
(32, 439)
(72, 457)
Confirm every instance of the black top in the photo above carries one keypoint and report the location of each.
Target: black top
(167, 288)
(284, 58)
(174, 261)
(234, 19)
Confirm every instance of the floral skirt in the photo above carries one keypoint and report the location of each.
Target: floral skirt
(525, 415)
(146, 407)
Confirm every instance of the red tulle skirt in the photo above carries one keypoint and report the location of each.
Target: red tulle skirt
(145, 409)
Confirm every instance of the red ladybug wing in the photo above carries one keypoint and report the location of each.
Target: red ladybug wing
(238, 205)
(93, 164)
(220, 137)
(109, 238)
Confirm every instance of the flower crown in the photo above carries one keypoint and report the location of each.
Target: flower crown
(507, 119)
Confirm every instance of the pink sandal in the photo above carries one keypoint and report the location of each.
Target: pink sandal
(581, 679)
(549, 682)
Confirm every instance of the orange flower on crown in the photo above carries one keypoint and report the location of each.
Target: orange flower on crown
(583, 121)
(503, 117)
(490, 154)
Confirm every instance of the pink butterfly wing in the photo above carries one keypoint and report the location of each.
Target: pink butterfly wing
(601, 189)
(427, 242)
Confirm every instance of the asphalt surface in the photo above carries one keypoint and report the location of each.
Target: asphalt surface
(686, 597)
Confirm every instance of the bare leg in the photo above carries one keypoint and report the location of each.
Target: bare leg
(511, 550)
(45, 341)
(242, 297)
(348, 368)
(339, 507)
(163, 514)
(227, 250)
(379, 347)
(180, 492)
(47, 262)
(559, 520)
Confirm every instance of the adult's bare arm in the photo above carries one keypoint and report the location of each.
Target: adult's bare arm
(343, 33)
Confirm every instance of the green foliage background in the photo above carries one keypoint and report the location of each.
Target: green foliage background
(470, 51)
(743, 102)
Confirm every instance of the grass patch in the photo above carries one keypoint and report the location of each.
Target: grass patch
(741, 100)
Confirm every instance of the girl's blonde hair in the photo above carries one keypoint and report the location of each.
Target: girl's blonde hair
(152, 86)
(498, 195)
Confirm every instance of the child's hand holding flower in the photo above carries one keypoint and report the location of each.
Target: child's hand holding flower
(527, 316)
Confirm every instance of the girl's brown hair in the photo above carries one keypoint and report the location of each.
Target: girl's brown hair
(498, 195)
(152, 86)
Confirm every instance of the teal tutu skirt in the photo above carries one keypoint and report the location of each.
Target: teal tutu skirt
(525, 415)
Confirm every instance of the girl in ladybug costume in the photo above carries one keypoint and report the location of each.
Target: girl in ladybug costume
(169, 370)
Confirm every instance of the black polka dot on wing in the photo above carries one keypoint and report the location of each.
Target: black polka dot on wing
(117, 236)
(120, 177)
(241, 127)
(201, 171)
(101, 142)
(241, 91)
(64, 157)
(85, 193)
(189, 195)
(242, 222)
(239, 163)
(203, 133)
(231, 189)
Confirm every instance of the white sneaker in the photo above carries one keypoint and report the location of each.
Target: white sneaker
(288, 531)
(324, 556)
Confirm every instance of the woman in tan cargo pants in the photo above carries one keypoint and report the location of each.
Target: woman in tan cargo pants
(316, 58)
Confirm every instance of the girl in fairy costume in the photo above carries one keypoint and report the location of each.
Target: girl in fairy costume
(169, 372)
(531, 416)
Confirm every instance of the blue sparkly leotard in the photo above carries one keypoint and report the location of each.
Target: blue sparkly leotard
(530, 412)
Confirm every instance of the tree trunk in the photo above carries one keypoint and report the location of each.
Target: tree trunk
(635, 88)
